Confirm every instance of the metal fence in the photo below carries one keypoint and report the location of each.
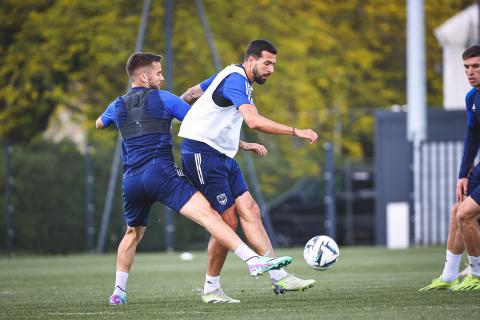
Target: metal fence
(438, 176)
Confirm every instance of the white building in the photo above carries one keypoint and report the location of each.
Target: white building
(454, 36)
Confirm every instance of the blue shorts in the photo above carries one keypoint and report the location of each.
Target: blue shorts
(162, 182)
(473, 189)
(216, 176)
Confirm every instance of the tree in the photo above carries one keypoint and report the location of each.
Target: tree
(61, 53)
(338, 61)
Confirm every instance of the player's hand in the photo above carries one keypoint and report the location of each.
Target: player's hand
(461, 191)
(255, 148)
(307, 134)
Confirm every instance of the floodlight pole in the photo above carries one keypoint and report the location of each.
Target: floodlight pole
(248, 160)
(329, 200)
(416, 98)
(169, 224)
(116, 156)
(8, 194)
(89, 198)
(347, 174)
(478, 17)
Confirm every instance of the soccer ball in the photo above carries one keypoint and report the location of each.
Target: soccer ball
(321, 252)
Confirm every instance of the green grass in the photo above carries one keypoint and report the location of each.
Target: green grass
(367, 283)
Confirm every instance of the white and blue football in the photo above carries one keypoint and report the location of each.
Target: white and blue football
(321, 253)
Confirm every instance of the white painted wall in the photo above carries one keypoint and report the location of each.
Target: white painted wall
(454, 36)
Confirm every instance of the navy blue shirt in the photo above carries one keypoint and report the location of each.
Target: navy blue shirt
(472, 137)
(139, 152)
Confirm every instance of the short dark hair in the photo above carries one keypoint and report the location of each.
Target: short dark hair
(139, 60)
(473, 51)
(256, 47)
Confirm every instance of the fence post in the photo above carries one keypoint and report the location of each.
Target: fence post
(329, 177)
(89, 198)
(168, 21)
(348, 203)
(9, 198)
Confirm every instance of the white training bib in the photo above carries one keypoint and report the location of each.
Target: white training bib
(207, 122)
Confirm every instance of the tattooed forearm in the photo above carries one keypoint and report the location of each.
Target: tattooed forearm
(242, 144)
(192, 94)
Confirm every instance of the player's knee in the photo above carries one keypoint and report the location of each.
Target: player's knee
(464, 217)
(232, 222)
(453, 213)
(255, 209)
(207, 214)
(455, 208)
(136, 232)
(251, 214)
(229, 216)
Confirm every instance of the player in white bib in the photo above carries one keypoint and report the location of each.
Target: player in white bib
(211, 132)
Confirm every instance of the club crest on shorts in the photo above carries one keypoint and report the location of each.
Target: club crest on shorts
(222, 198)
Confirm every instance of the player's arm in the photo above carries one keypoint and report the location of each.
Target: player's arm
(99, 124)
(256, 121)
(253, 147)
(192, 94)
(236, 90)
(470, 149)
(177, 107)
(107, 117)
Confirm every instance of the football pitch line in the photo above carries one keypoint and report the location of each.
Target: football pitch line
(366, 283)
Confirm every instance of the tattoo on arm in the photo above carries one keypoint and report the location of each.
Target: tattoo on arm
(192, 94)
(242, 144)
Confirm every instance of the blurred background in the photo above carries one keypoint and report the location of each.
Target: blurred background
(341, 70)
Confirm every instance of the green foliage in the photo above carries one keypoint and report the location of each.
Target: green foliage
(337, 62)
(332, 56)
(61, 53)
(49, 199)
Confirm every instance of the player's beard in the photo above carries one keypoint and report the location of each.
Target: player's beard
(257, 76)
(153, 85)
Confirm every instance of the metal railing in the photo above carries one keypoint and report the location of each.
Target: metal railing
(438, 176)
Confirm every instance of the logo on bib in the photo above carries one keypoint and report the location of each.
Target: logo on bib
(474, 108)
(222, 198)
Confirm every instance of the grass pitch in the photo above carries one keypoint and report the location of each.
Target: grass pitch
(367, 283)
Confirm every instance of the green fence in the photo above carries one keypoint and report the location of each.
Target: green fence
(50, 206)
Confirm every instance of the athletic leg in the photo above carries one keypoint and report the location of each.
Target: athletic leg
(220, 180)
(212, 289)
(257, 237)
(251, 222)
(137, 207)
(455, 241)
(199, 210)
(455, 249)
(125, 255)
(453, 256)
(467, 217)
(128, 247)
(216, 252)
(209, 175)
